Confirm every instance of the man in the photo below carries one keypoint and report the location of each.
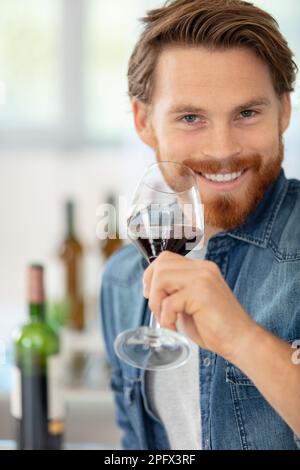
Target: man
(210, 84)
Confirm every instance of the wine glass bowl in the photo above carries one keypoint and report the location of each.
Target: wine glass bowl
(166, 214)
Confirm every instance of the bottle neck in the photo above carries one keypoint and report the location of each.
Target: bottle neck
(70, 220)
(37, 312)
(36, 295)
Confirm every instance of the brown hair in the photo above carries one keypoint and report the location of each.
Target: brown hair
(216, 24)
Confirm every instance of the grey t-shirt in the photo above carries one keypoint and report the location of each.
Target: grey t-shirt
(174, 396)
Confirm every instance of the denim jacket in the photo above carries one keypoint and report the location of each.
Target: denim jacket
(260, 261)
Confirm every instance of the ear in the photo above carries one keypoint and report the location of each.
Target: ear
(142, 122)
(285, 112)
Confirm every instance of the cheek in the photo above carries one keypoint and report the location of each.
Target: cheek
(263, 140)
(182, 143)
(268, 147)
(176, 146)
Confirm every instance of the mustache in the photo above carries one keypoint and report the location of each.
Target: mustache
(232, 165)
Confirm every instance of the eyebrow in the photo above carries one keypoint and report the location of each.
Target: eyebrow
(186, 108)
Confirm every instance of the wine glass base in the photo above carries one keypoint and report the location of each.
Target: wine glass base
(149, 349)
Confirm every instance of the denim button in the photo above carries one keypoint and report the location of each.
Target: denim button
(206, 362)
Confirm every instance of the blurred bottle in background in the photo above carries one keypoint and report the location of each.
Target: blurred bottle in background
(71, 253)
(110, 244)
(36, 397)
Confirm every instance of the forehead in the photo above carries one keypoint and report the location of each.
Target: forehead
(196, 73)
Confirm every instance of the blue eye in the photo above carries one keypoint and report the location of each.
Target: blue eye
(190, 118)
(248, 113)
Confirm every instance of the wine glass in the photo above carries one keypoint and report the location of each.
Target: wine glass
(166, 214)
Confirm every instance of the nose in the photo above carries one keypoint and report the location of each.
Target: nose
(221, 143)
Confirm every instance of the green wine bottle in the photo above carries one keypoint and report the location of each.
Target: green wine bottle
(36, 400)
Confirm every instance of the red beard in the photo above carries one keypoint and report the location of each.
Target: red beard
(225, 211)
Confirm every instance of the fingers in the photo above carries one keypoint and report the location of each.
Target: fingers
(171, 274)
(171, 307)
(167, 282)
(165, 262)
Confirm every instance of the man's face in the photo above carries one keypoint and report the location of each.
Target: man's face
(218, 113)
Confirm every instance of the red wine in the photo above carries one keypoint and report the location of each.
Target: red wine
(180, 240)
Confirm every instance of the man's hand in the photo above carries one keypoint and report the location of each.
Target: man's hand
(195, 293)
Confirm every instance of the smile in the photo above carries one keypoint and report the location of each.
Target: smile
(221, 178)
(223, 181)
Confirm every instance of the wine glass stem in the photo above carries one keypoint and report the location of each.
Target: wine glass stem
(153, 325)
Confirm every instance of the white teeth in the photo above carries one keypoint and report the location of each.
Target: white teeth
(223, 178)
